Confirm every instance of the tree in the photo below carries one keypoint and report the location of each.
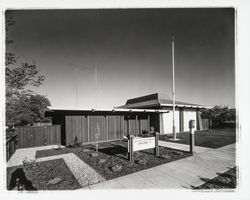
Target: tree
(9, 57)
(29, 108)
(23, 106)
(219, 114)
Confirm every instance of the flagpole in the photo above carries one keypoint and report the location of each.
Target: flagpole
(173, 89)
(96, 87)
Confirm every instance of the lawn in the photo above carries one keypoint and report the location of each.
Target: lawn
(112, 159)
(225, 180)
(210, 138)
(47, 175)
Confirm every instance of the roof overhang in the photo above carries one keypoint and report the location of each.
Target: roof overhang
(108, 110)
(187, 106)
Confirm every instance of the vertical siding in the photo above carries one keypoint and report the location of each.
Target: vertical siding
(38, 136)
(143, 125)
(112, 127)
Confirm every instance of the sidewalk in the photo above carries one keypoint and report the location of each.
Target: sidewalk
(28, 153)
(183, 173)
(183, 147)
(83, 173)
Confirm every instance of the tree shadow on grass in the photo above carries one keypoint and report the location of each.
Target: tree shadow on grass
(19, 175)
(221, 181)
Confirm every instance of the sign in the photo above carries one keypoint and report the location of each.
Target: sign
(143, 143)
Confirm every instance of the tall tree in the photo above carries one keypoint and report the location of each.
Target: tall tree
(23, 106)
(219, 114)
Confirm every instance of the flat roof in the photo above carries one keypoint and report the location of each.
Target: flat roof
(51, 109)
(157, 100)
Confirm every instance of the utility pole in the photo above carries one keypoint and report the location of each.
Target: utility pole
(173, 89)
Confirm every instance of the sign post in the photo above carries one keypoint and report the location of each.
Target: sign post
(140, 143)
(191, 134)
(156, 150)
(130, 148)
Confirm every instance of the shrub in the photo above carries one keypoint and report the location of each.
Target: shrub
(29, 164)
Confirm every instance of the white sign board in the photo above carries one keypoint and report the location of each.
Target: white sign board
(143, 143)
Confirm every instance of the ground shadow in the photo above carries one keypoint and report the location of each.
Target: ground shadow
(19, 175)
(221, 181)
(114, 150)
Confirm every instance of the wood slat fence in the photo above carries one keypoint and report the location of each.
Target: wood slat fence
(205, 124)
(112, 127)
(11, 146)
(30, 136)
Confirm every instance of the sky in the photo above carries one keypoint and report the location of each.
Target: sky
(130, 51)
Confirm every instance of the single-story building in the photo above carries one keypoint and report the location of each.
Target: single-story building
(184, 112)
(135, 117)
(113, 124)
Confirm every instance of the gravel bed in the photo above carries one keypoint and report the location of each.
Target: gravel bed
(115, 153)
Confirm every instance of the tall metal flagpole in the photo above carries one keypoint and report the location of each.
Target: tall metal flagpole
(96, 87)
(76, 86)
(173, 89)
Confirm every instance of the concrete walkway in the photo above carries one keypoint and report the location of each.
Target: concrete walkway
(28, 153)
(84, 174)
(183, 147)
(185, 173)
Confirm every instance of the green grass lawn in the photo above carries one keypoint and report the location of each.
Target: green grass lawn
(211, 139)
(47, 175)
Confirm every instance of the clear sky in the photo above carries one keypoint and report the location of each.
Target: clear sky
(131, 51)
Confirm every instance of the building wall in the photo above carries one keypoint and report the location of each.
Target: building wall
(182, 118)
(84, 128)
(113, 126)
(189, 114)
(168, 121)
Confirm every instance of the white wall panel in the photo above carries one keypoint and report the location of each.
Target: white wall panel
(168, 122)
(188, 115)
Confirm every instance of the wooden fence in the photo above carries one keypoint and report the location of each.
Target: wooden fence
(30, 136)
(11, 146)
(205, 124)
(112, 127)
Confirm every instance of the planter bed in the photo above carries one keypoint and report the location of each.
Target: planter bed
(209, 139)
(47, 175)
(112, 159)
(225, 180)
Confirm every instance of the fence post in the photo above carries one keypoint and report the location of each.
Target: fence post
(156, 149)
(130, 147)
(191, 134)
(7, 151)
